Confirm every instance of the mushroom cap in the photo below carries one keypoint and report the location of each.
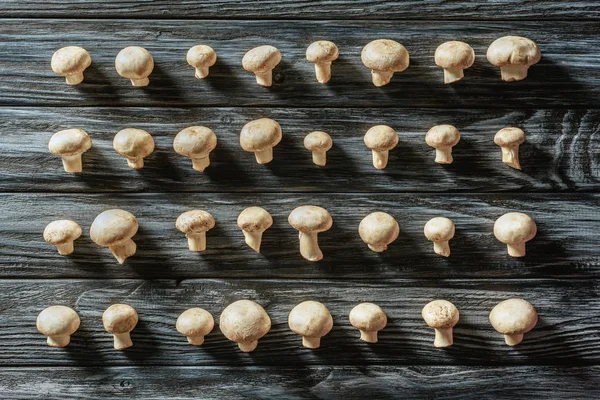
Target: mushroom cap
(513, 316)
(70, 142)
(368, 317)
(318, 140)
(322, 51)
(454, 54)
(515, 228)
(513, 50)
(378, 228)
(195, 142)
(57, 320)
(441, 136)
(255, 219)
(244, 321)
(385, 55)
(70, 60)
(310, 219)
(195, 221)
(113, 227)
(440, 314)
(134, 62)
(260, 134)
(381, 138)
(311, 319)
(439, 229)
(261, 59)
(119, 318)
(62, 231)
(201, 56)
(195, 322)
(509, 137)
(133, 142)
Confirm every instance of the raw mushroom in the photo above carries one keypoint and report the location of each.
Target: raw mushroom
(69, 145)
(309, 221)
(70, 62)
(201, 57)
(509, 139)
(119, 320)
(381, 139)
(261, 61)
(441, 315)
(195, 323)
(319, 143)
(454, 57)
(244, 322)
(114, 229)
(440, 230)
(58, 323)
(378, 230)
(196, 143)
(259, 137)
(369, 319)
(513, 318)
(195, 224)
(311, 320)
(515, 229)
(136, 64)
(62, 233)
(384, 57)
(253, 221)
(514, 55)
(322, 53)
(443, 138)
(135, 145)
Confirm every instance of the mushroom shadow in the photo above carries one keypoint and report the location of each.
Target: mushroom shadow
(163, 88)
(149, 247)
(97, 84)
(159, 168)
(90, 177)
(145, 344)
(222, 77)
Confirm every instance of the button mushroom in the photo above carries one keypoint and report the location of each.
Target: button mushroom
(442, 316)
(509, 140)
(119, 320)
(195, 224)
(259, 137)
(378, 230)
(136, 64)
(261, 61)
(196, 143)
(381, 139)
(253, 221)
(62, 233)
(311, 320)
(440, 230)
(195, 323)
(319, 143)
(443, 138)
(369, 319)
(322, 53)
(384, 57)
(454, 57)
(513, 318)
(69, 145)
(244, 322)
(201, 57)
(514, 55)
(309, 221)
(70, 62)
(58, 323)
(114, 229)
(135, 145)
(515, 229)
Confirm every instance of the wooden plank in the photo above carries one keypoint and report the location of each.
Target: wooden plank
(567, 76)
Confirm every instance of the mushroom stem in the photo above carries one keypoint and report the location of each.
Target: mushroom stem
(65, 249)
(74, 79)
(453, 75)
(378, 248)
(264, 156)
(323, 71)
(140, 82)
(380, 159)
(512, 73)
(516, 250)
(122, 341)
(123, 250)
(196, 241)
(381, 78)
(309, 246)
(319, 157)
(513, 340)
(442, 248)
(201, 72)
(443, 156)
(264, 78)
(247, 347)
(510, 156)
(369, 337)
(58, 340)
(135, 163)
(72, 163)
(443, 337)
(253, 239)
(195, 340)
(199, 164)
(311, 342)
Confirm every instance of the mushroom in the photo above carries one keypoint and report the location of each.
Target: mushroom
(513, 318)
(443, 138)
(69, 145)
(135, 145)
(62, 233)
(119, 320)
(322, 53)
(309, 221)
(381, 139)
(195, 323)
(201, 57)
(369, 319)
(195, 224)
(114, 229)
(196, 143)
(454, 57)
(509, 139)
(515, 229)
(440, 230)
(136, 64)
(253, 221)
(58, 323)
(319, 143)
(244, 322)
(261, 61)
(441, 315)
(384, 57)
(259, 137)
(378, 230)
(514, 55)
(311, 320)
(70, 62)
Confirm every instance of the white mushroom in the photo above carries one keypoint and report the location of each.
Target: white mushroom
(319, 143)
(311, 320)
(443, 138)
(310, 221)
(244, 322)
(515, 229)
(513, 318)
(259, 137)
(384, 57)
(378, 230)
(253, 221)
(62, 233)
(322, 53)
(195, 224)
(58, 323)
(196, 143)
(454, 57)
(514, 55)
(136, 64)
(119, 320)
(69, 145)
(381, 139)
(201, 57)
(441, 315)
(70, 62)
(440, 230)
(369, 319)
(135, 145)
(114, 229)
(195, 323)
(509, 140)
(261, 61)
